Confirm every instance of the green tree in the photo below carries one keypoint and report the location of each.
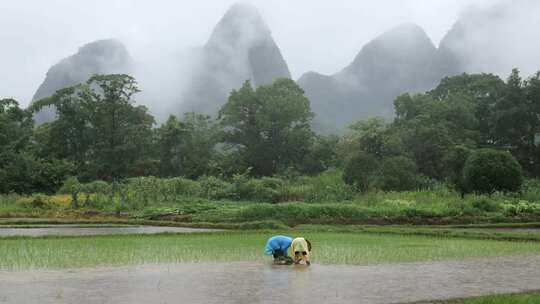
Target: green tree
(398, 173)
(187, 147)
(484, 91)
(512, 113)
(122, 132)
(516, 119)
(454, 162)
(360, 171)
(322, 155)
(488, 170)
(429, 127)
(369, 136)
(15, 127)
(100, 129)
(269, 126)
(532, 91)
(171, 137)
(21, 170)
(70, 135)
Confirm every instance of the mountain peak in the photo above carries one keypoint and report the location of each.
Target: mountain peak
(404, 35)
(102, 47)
(241, 47)
(397, 61)
(404, 45)
(98, 57)
(241, 25)
(408, 30)
(242, 9)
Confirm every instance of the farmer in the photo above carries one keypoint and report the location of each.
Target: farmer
(278, 246)
(301, 249)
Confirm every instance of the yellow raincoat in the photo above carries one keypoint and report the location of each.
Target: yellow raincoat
(300, 245)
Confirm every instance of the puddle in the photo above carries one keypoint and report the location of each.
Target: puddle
(247, 282)
(74, 231)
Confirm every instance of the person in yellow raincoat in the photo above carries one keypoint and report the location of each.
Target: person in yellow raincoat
(301, 250)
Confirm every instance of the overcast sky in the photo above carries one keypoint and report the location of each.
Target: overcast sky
(318, 35)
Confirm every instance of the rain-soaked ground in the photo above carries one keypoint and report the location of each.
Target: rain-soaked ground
(263, 283)
(71, 230)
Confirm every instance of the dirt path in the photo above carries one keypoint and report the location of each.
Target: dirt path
(260, 283)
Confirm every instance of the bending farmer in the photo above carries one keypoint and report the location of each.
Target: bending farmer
(277, 246)
(301, 248)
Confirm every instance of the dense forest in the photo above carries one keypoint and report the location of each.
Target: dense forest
(476, 133)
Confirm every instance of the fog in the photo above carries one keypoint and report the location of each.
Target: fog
(314, 35)
(499, 38)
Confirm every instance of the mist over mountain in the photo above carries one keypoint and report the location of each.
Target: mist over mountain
(483, 40)
(495, 39)
(402, 59)
(240, 48)
(98, 57)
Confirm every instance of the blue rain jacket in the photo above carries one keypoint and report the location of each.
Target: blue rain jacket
(278, 242)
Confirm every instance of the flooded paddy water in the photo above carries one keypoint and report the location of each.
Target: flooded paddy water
(530, 231)
(248, 282)
(256, 282)
(70, 230)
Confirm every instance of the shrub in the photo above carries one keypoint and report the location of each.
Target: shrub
(425, 183)
(416, 212)
(240, 188)
(521, 207)
(531, 190)
(300, 213)
(215, 188)
(266, 189)
(39, 201)
(182, 186)
(35, 201)
(93, 191)
(326, 187)
(96, 187)
(454, 161)
(141, 190)
(359, 171)
(487, 171)
(268, 224)
(73, 187)
(398, 174)
(486, 205)
(463, 207)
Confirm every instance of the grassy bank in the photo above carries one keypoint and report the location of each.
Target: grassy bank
(329, 248)
(190, 210)
(501, 299)
(323, 199)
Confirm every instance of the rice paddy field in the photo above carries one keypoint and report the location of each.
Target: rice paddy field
(329, 248)
(502, 299)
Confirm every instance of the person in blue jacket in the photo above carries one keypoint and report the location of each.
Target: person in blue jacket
(278, 247)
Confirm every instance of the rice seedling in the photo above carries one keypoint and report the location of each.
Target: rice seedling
(329, 248)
